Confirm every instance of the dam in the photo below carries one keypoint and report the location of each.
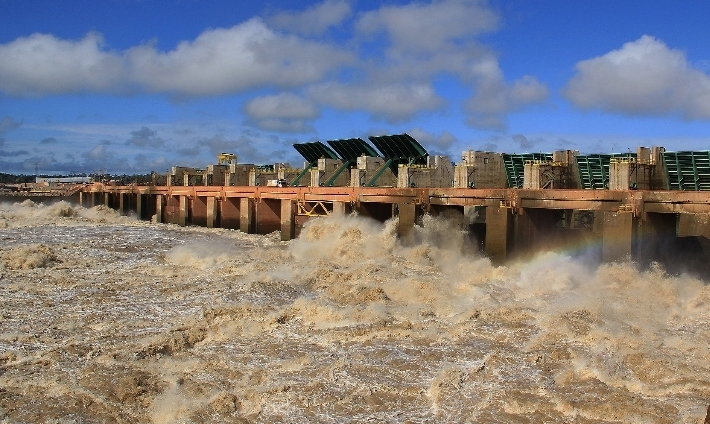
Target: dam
(650, 205)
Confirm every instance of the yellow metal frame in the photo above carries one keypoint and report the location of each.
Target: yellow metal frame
(312, 208)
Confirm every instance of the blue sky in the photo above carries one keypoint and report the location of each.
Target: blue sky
(133, 86)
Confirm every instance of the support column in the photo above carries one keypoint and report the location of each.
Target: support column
(81, 199)
(122, 203)
(211, 211)
(159, 208)
(339, 208)
(287, 224)
(182, 215)
(139, 205)
(407, 215)
(246, 215)
(497, 228)
(93, 199)
(617, 236)
(107, 200)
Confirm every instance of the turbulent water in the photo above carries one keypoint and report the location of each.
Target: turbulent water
(109, 319)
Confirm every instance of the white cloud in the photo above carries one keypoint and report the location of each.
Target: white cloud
(219, 61)
(284, 105)
(403, 49)
(427, 40)
(42, 64)
(427, 27)
(98, 153)
(223, 61)
(284, 112)
(644, 77)
(394, 102)
(314, 20)
(441, 142)
(493, 98)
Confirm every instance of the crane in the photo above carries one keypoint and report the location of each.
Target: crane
(226, 158)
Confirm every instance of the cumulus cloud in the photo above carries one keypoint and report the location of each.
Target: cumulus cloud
(314, 20)
(145, 137)
(98, 152)
(218, 61)
(426, 40)
(428, 27)
(493, 98)
(441, 142)
(643, 77)
(222, 61)
(284, 112)
(394, 102)
(41, 64)
(386, 69)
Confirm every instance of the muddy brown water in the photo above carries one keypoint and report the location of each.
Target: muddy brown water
(109, 319)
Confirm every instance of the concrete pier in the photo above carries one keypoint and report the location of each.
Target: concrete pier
(508, 223)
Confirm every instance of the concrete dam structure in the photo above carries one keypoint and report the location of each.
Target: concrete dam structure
(650, 205)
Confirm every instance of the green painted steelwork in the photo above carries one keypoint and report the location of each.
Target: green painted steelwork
(687, 170)
(314, 151)
(515, 165)
(378, 174)
(352, 148)
(341, 168)
(311, 152)
(300, 175)
(593, 169)
(349, 150)
(400, 149)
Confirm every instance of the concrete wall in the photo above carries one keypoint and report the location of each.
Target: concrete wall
(183, 176)
(480, 170)
(367, 167)
(570, 175)
(630, 175)
(216, 175)
(326, 169)
(544, 175)
(439, 172)
(238, 174)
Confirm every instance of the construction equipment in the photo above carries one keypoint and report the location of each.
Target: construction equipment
(226, 158)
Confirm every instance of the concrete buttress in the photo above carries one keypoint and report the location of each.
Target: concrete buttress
(211, 212)
(407, 216)
(287, 221)
(497, 228)
(245, 214)
(617, 235)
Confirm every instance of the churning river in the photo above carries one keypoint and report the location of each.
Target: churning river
(104, 318)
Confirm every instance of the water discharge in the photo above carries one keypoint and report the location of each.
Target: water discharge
(107, 318)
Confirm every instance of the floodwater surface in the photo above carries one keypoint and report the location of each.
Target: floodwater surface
(104, 318)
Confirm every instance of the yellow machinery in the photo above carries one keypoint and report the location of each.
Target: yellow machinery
(226, 158)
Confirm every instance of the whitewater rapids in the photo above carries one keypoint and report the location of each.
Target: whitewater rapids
(105, 318)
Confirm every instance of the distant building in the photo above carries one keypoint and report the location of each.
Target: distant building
(62, 180)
